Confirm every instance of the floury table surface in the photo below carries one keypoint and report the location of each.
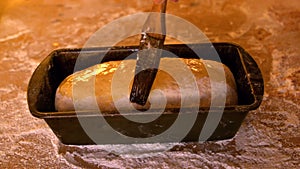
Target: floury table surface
(269, 30)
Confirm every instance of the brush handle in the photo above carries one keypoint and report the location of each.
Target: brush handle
(155, 22)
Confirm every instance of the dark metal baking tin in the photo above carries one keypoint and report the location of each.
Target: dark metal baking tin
(60, 63)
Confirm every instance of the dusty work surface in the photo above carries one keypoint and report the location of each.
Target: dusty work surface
(269, 30)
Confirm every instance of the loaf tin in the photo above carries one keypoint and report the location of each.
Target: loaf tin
(68, 129)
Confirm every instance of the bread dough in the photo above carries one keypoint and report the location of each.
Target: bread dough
(107, 86)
